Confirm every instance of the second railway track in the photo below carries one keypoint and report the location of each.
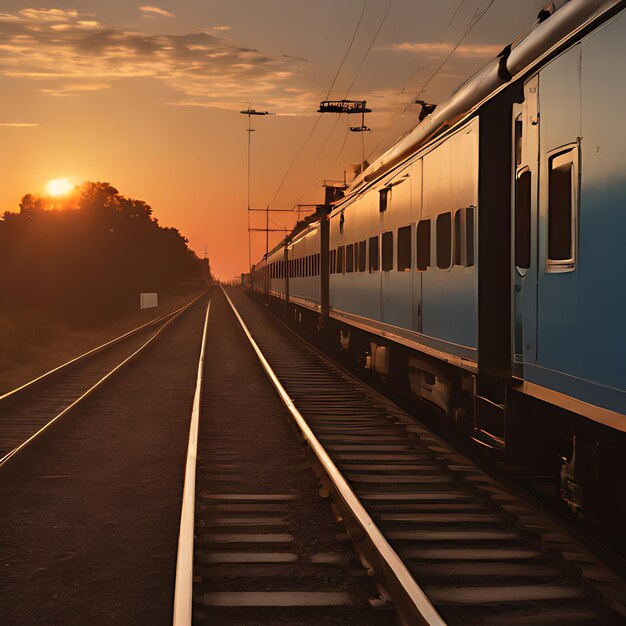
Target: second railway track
(480, 553)
(27, 412)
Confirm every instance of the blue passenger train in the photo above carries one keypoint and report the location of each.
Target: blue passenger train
(477, 263)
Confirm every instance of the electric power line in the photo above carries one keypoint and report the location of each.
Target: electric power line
(475, 19)
(345, 56)
(371, 44)
(317, 121)
(382, 22)
(369, 48)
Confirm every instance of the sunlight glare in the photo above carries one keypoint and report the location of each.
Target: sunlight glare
(59, 187)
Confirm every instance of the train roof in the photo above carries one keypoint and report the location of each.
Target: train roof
(557, 23)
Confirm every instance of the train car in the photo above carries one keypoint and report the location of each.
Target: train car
(303, 253)
(476, 264)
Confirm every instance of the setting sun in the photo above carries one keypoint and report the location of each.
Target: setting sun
(59, 187)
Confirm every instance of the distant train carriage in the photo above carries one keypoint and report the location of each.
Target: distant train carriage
(477, 263)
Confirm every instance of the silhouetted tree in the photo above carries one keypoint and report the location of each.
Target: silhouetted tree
(88, 255)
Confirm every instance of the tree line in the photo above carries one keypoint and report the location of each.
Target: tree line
(87, 256)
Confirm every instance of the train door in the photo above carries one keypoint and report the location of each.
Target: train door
(525, 220)
(558, 310)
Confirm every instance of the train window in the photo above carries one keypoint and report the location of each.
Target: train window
(404, 249)
(340, 269)
(362, 256)
(387, 251)
(318, 258)
(444, 240)
(518, 140)
(331, 261)
(384, 196)
(458, 229)
(469, 236)
(423, 245)
(373, 256)
(522, 219)
(350, 258)
(562, 202)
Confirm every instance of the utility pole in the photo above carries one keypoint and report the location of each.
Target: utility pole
(250, 112)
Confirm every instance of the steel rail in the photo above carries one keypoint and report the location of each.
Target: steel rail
(412, 604)
(108, 344)
(35, 436)
(183, 588)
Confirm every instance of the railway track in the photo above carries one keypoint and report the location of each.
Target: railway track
(267, 549)
(444, 541)
(31, 410)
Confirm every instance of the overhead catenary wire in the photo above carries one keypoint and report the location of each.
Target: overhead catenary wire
(317, 121)
(347, 93)
(345, 56)
(367, 52)
(474, 21)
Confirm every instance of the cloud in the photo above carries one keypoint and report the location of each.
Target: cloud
(75, 89)
(47, 15)
(71, 52)
(17, 124)
(222, 27)
(439, 50)
(150, 11)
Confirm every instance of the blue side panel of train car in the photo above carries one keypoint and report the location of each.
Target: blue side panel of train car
(450, 199)
(581, 296)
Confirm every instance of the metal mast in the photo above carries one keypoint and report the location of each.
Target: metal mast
(250, 112)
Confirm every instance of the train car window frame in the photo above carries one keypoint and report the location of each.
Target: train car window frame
(522, 220)
(422, 242)
(341, 269)
(387, 251)
(562, 213)
(383, 199)
(403, 249)
(457, 239)
(362, 256)
(470, 218)
(349, 258)
(443, 240)
(374, 254)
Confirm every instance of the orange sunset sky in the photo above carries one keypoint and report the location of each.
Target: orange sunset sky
(147, 97)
